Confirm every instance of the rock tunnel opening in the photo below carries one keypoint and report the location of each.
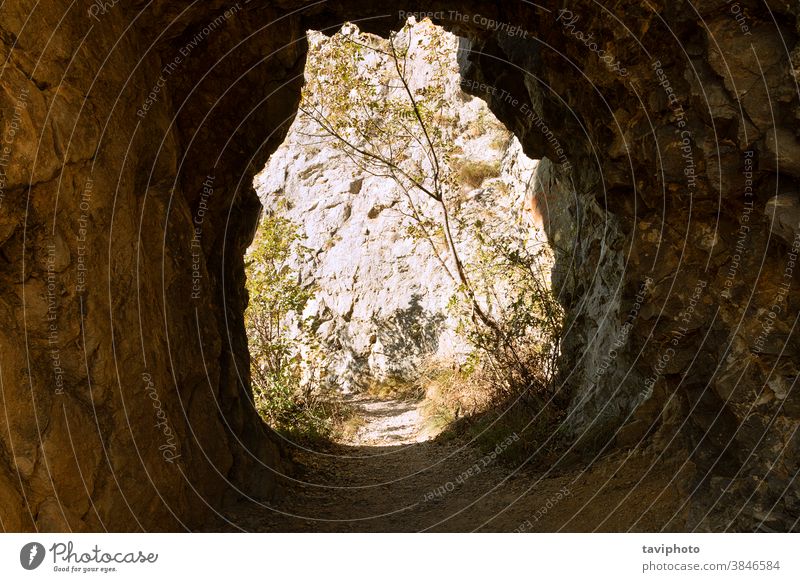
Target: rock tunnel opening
(357, 300)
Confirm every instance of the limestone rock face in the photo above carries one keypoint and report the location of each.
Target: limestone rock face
(381, 305)
(130, 138)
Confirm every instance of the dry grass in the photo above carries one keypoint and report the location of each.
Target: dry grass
(501, 141)
(347, 427)
(474, 173)
(393, 388)
(451, 394)
(470, 403)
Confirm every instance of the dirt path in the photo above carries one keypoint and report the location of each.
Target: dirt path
(388, 478)
(386, 423)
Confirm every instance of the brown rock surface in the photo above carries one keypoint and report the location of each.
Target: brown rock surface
(123, 361)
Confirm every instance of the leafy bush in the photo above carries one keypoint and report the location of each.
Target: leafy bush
(282, 366)
(512, 276)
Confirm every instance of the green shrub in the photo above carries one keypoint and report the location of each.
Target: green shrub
(277, 369)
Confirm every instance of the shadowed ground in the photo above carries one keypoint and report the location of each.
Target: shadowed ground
(387, 478)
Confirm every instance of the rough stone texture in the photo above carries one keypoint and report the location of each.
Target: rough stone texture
(707, 363)
(380, 310)
(724, 363)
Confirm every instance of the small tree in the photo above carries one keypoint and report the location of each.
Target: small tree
(515, 279)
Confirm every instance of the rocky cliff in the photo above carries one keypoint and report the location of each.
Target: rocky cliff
(380, 310)
(132, 131)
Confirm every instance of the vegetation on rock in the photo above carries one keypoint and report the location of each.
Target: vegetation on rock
(395, 125)
(277, 296)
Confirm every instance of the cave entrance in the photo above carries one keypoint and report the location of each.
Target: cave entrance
(399, 278)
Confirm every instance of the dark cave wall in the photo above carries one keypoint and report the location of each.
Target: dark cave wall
(680, 286)
(124, 228)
